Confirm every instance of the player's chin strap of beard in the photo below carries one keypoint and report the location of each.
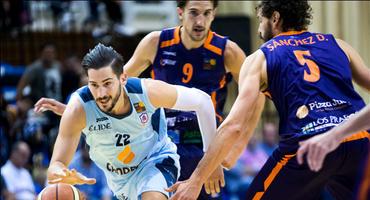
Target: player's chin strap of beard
(191, 99)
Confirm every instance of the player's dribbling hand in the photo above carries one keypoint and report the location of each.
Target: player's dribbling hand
(70, 177)
(185, 190)
(317, 148)
(212, 185)
(53, 105)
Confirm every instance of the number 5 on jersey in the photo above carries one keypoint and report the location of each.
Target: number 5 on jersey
(312, 66)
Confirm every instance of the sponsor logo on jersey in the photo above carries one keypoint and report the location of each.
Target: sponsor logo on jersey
(333, 104)
(164, 62)
(139, 107)
(322, 123)
(169, 53)
(209, 63)
(302, 112)
(120, 170)
(100, 127)
(101, 119)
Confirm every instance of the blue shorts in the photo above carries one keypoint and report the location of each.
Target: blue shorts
(157, 173)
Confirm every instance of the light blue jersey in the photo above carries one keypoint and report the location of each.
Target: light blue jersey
(123, 145)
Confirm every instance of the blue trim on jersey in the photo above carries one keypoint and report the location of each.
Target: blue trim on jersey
(156, 120)
(169, 170)
(134, 86)
(85, 94)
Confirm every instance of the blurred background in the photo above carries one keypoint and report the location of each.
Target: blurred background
(60, 32)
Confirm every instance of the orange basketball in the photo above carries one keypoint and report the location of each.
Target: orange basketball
(60, 191)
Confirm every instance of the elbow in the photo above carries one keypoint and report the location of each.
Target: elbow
(232, 129)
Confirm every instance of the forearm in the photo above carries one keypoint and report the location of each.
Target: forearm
(358, 122)
(243, 140)
(227, 135)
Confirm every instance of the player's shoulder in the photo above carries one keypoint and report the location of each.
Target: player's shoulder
(152, 38)
(232, 48)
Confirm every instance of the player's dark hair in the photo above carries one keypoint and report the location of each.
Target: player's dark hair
(102, 56)
(295, 14)
(182, 3)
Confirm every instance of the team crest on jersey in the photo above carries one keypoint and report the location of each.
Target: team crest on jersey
(139, 107)
(209, 63)
(144, 117)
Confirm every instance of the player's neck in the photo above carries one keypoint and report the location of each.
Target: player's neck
(188, 42)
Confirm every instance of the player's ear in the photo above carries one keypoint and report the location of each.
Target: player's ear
(275, 17)
(123, 78)
(180, 12)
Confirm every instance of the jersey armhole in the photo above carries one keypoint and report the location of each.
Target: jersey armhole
(267, 89)
(336, 43)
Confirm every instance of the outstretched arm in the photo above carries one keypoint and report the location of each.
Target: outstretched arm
(319, 146)
(71, 125)
(230, 130)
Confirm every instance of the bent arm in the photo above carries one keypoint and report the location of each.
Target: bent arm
(234, 58)
(360, 72)
(182, 98)
(235, 123)
(243, 140)
(71, 125)
(144, 55)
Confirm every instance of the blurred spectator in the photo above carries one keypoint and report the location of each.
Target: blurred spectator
(269, 138)
(73, 76)
(42, 78)
(16, 177)
(5, 194)
(83, 164)
(13, 15)
(5, 137)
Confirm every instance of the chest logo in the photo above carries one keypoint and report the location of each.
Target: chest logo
(164, 62)
(139, 107)
(144, 117)
(209, 64)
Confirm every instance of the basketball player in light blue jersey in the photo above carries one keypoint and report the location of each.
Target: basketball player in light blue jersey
(125, 128)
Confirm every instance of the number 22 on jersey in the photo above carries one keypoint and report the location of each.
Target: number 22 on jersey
(314, 70)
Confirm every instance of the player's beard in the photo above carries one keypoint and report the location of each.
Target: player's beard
(114, 100)
(267, 35)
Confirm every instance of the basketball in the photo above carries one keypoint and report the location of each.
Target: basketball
(60, 191)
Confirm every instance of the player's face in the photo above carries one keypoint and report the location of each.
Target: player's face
(264, 28)
(196, 18)
(105, 87)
